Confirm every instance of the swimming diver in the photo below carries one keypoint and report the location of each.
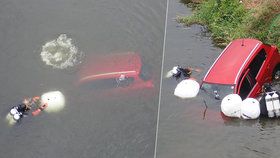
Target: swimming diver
(180, 72)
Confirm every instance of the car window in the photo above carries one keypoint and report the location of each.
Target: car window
(126, 82)
(246, 86)
(257, 63)
(248, 81)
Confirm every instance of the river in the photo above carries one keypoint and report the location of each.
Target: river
(186, 128)
(119, 126)
(88, 126)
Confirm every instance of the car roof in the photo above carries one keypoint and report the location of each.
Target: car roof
(228, 66)
(110, 66)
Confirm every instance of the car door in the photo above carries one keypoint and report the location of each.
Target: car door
(258, 71)
(254, 76)
(246, 84)
(261, 66)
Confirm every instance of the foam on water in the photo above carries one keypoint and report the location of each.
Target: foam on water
(10, 120)
(168, 74)
(61, 53)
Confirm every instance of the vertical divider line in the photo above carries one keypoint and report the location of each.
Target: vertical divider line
(162, 63)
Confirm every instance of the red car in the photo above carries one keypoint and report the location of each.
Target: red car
(117, 73)
(242, 68)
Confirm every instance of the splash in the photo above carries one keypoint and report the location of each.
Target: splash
(169, 74)
(10, 120)
(61, 53)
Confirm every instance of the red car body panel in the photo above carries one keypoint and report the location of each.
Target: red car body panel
(233, 63)
(112, 66)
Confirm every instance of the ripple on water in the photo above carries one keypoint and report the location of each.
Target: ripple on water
(61, 53)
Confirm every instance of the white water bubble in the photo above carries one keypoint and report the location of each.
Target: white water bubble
(61, 53)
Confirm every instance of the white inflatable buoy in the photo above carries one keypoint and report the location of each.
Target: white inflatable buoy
(250, 108)
(187, 89)
(231, 105)
(55, 101)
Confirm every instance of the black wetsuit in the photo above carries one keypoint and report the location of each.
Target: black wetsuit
(22, 108)
(186, 73)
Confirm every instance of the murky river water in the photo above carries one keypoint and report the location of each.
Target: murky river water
(185, 128)
(88, 126)
(119, 126)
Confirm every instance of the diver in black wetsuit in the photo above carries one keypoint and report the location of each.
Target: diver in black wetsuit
(22, 108)
(179, 72)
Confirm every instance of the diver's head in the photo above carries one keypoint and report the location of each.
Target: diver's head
(27, 102)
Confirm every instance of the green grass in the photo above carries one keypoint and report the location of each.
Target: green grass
(229, 19)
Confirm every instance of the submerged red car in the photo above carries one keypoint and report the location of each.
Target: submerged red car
(115, 73)
(242, 68)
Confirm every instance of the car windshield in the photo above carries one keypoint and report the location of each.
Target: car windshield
(219, 91)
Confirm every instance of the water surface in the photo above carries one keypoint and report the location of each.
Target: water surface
(88, 126)
(185, 128)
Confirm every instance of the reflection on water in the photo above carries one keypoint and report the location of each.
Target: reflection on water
(61, 53)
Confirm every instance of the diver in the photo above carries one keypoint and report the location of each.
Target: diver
(184, 73)
(179, 72)
(269, 101)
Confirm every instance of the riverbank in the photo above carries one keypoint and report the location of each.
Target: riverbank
(228, 20)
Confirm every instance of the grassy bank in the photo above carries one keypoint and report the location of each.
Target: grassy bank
(231, 19)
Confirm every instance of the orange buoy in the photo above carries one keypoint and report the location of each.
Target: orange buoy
(38, 111)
